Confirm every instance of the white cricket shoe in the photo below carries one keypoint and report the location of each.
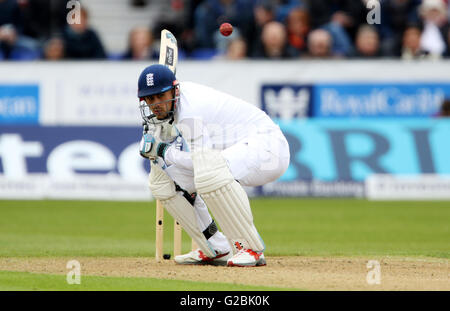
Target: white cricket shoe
(197, 257)
(247, 258)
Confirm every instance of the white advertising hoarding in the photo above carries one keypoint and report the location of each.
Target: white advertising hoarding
(94, 105)
(79, 187)
(104, 93)
(418, 187)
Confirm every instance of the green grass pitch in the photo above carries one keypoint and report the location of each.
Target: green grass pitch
(18, 281)
(309, 227)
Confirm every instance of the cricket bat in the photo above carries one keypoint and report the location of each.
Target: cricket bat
(159, 243)
(168, 56)
(168, 51)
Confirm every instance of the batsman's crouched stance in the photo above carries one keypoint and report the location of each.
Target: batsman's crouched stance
(201, 166)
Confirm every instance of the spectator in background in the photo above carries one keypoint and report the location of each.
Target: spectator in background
(221, 42)
(320, 44)
(54, 49)
(297, 28)
(434, 16)
(445, 108)
(10, 14)
(274, 43)
(178, 17)
(237, 49)
(140, 45)
(233, 47)
(341, 18)
(81, 41)
(43, 18)
(210, 14)
(447, 39)
(263, 13)
(395, 16)
(344, 14)
(367, 42)
(284, 7)
(8, 38)
(13, 45)
(410, 48)
(279, 8)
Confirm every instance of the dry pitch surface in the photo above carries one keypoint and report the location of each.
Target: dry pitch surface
(310, 273)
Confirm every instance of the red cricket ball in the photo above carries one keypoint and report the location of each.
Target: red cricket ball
(226, 29)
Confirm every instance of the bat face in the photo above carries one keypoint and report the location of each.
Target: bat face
(168, 52)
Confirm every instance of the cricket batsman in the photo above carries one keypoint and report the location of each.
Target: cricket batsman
(204, 146)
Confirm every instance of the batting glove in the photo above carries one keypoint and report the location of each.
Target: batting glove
(152, 148)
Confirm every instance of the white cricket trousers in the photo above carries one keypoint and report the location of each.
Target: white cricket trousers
(260, 159)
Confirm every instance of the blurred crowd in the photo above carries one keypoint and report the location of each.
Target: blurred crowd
(263, 29)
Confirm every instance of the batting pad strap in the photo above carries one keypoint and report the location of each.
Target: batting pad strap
(187, 195)
(210, 230)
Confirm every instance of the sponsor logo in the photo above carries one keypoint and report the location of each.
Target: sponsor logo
(64, 152)
(150, 81)
(378, 99)
(286, 102)
(19, 104)
(169, 56)
(330, 100)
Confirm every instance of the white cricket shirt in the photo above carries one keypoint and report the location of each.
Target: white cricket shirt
(210, 118)
(226, 119)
